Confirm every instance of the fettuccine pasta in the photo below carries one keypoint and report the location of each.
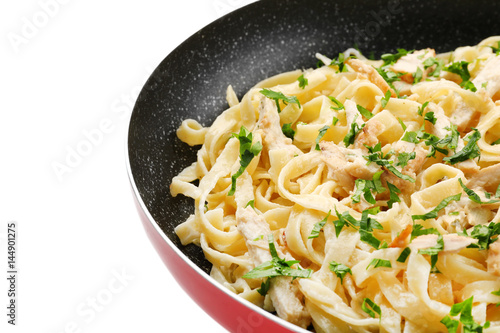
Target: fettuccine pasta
(359, 196)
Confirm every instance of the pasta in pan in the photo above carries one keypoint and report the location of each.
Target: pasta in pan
(359, 196)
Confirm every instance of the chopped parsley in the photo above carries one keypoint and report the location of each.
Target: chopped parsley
(404, 255)
(432, 141)
(335, 120)
(251, 203)
(429, 62)
(303, 82)
(473, 195)
(434, 213)
(340, 270)
(277, 96)
(429, 116)
(288, 130)
(378, 157)
(389, 76)
(247, 153)
(461, 69)
(366, 226)
(277, 266)
(321, 133)
(379, 263)
(318, 226)
(393, 194)
(421, 109)
(433, 251)
(364, 112)
(339, 106)
(264, 287)
(340, 62)
(496, 293)
(417, 76)
(390, 59)
(485, 234)
(365, 187)
(342, 220)
(374, 308)
(404, 158)
(470, 151)
(385, 99)
(465, 310)
(419, 230)
(353, 131)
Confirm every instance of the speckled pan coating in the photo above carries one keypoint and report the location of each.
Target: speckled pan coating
(260, 40)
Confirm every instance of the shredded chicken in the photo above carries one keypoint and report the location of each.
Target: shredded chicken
(493, 260)
(369, 134)
(285, 295)
(452, 242)
(410, 63)
(346, 165)
(269, 124)
(411, 169)
(486, 179)
(371, 74)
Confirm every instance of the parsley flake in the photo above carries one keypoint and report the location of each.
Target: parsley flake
(351, 135)
(339, 106)
(379, 263)
(434, 250)
(321, 133)
(465, 310)
(277, 96)
(434, 213)
(247, 153)
(385, 99)
(318, 226)
(417, 76)
(470, 151)
(461, 69)
(374, 308)
(340, 270)
(277, 266)
(473, 195)
(404, 255)
(288, 130)
(303, 82)
(364, 112)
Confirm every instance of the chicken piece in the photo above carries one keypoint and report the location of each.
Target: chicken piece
(486, 179)
(369, 134)
(269, 124)
(490, 76)
(285, 295)
(410, 63)
(411, 169)
(493, 260)
(371, 73)
(452, 242)
(346, 165)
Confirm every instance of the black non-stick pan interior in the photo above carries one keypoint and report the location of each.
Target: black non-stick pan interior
(258, 41)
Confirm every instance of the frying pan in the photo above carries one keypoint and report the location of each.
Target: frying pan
(257, 41)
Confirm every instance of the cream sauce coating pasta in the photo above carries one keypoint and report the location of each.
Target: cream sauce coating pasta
(376, 178)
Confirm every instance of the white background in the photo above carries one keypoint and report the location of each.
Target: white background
(70, 69)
